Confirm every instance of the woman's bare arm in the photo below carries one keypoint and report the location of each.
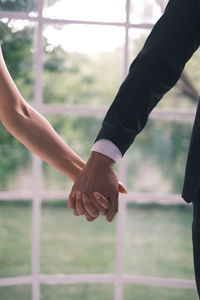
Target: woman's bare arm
(32, 129)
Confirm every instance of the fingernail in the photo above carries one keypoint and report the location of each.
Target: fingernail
(96, 195)
(78, 195)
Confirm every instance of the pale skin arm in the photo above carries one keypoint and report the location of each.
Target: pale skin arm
(34, 131)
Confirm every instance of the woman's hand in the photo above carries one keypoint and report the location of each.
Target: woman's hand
(81, 205)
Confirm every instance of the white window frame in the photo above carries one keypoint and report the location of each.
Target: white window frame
(118, 279)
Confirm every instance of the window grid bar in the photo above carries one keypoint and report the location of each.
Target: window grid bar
(126, 48)
(36, 221)
(120, 230)
(20, 280)
(38, 59)
(36, 277)
(100, 278)
(37, 162)
(120, 24)
(121, 222)
(84, 110)
(136, 197)
(44, 20)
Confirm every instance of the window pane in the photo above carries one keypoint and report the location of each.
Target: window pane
(79, 247)
(17, 45)
(157, 158)
(188, 86)
(77, 132)
(83, 291)
(15, 238)
(184, 95)
(146, 11)
(28, 6)
(83, 64)
(88, 10)
(161, 238)
(141, 291)
(20, 292)
(137, 38)
(15, 161)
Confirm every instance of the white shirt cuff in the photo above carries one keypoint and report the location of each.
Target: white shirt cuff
(107, 148)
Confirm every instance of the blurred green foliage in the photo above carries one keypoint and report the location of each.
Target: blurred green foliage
(18, 5)
(79, 78)
(16, 49)
(13, 156)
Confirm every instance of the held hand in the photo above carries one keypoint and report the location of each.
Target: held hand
(98, 175)
(79, 199)
(101, 199)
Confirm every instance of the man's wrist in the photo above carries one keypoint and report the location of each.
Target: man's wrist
(97, 157)
(108, 148)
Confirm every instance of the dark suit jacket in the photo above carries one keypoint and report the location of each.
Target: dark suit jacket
(155, 70)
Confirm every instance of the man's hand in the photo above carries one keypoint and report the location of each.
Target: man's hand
(97, 176)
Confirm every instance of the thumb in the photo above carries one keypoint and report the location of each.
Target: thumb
(121, 188)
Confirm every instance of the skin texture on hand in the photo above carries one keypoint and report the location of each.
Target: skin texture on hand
(97, 176)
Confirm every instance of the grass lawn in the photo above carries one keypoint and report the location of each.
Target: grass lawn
(157, 243)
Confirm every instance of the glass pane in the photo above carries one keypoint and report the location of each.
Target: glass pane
(17, 37)
(184, 95)
(20, 292)
(146, 11)
(157, 158)
(77, 132)
(28, 6)
(15, 161)
(88, 10)
(82, 291)
(137, 38)
(15, 238)
(154, 292)
(79, 247)
(17, 45)
(189, 84)
(83, 64)
(162, 241)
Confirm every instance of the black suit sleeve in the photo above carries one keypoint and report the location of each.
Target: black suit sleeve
(155, 70)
